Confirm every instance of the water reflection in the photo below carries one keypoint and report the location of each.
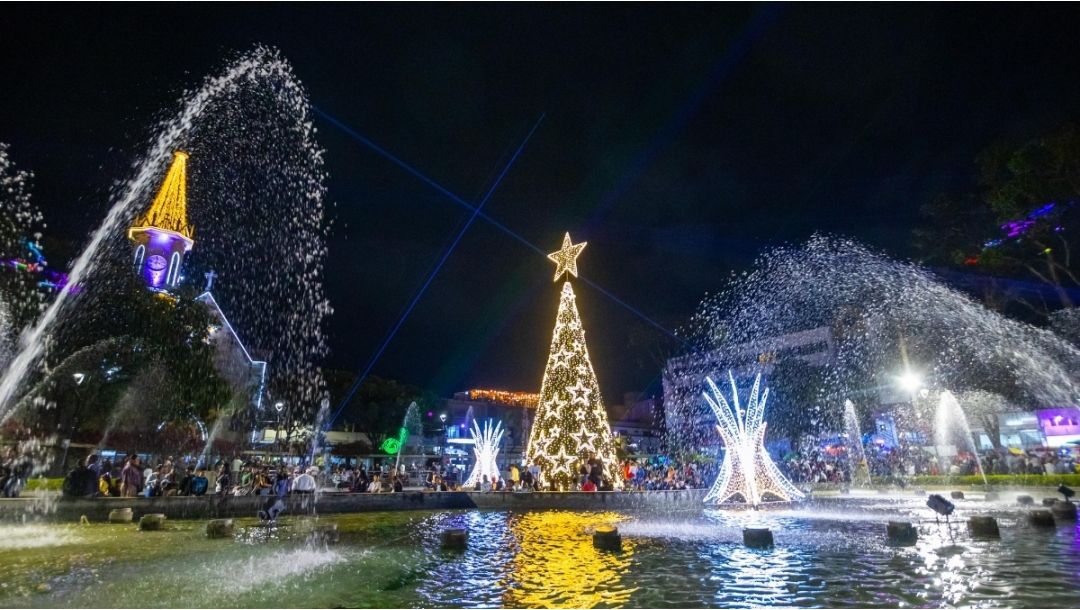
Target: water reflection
(546, 559)
(556, 565)
(542, 559)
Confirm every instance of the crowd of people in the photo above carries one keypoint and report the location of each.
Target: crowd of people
(662, 473)
(134, 477)
(644, 474)
(899, 463)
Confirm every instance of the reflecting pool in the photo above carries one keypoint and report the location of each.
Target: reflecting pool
(827, 554)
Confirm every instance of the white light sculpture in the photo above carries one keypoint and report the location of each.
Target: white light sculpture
(485, 447)
(747, 471)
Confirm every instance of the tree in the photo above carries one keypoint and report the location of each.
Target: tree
(571, 422)
(122, 332)
(378, 406)
(983, 409)
(797, 409)
(1022, 223)
(21, 299)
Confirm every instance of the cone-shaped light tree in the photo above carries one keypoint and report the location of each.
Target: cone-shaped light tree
(571, 424)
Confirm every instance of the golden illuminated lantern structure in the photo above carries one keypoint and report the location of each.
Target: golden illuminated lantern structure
(162, 235)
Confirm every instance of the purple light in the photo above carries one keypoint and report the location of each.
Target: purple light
(159, 237)
(1016, 228)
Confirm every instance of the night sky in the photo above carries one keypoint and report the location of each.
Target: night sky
(679, 141)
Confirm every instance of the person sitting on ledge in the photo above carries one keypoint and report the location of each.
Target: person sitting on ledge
(105, 480)
(168, 483)
(484, 485)
(184, 489)
(224, 480)
(361, 482)
(398, 487)
(153, 484)
(304, 484)
(261, 485)
(375, 486)
(500, 485)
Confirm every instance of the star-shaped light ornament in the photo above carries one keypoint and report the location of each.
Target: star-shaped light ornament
(584, 439)
(562, 358)
(579, 393)
(566, 259)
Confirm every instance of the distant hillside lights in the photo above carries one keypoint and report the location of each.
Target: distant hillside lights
(517, 399)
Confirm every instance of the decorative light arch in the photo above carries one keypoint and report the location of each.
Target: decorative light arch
(140, 253)
(174, 269)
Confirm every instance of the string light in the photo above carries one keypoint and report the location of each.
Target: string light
(168, 212)
(747, 471)
(571, 423)
(162, 235)
(566, 258)
(506, 397)
(486, 448)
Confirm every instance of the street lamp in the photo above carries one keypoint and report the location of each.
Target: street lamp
(79, 379)
(910, 382)
(279, 406)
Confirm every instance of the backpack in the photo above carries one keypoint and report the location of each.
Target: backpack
(199, 485)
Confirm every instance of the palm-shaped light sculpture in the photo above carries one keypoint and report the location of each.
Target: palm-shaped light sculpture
(486, 447)
(747, 471)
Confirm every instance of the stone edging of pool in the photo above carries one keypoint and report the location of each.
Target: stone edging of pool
(209, 507)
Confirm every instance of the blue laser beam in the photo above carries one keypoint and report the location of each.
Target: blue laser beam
(717, 74)
(422, 177)
(434, 272)
(481, 214)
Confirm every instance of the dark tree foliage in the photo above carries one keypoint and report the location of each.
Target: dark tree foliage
(1022, 223)
(379, 405)
(797, 401)
(123, 331)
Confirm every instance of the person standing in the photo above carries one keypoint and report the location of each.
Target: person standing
(131, 477)
(236, 466)
(90, 483)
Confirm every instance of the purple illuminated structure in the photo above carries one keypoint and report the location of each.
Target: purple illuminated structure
(162, 235)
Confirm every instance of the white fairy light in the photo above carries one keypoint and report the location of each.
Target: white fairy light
(747, 470)
(486, 448)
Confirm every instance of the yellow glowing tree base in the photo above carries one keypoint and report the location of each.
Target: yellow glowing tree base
(747, 471)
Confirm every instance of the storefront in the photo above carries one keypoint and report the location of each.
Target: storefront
(1020, 431)
(1060, 426)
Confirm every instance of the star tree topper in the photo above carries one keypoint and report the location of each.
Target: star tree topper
(566, 259)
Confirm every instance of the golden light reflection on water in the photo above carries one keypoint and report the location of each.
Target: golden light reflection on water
(556, 565)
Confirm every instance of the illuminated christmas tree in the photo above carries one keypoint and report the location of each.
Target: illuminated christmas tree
(571, 423)
(748, 472)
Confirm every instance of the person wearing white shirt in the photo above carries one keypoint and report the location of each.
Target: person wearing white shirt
(304, 484)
